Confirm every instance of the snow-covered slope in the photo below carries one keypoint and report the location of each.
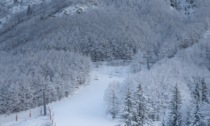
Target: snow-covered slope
(86, 107)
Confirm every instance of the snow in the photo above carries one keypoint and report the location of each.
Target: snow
(157, 123)
(86, 107)
(3, 21)
(71, 10)
(24, 120)
(39, 121)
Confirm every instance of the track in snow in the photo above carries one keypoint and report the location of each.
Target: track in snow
(86, 107)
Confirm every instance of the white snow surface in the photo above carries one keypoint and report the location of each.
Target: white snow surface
(24, 120)
(39, 121)
(86, 107)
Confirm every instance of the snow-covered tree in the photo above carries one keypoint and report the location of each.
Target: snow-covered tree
(115, 104)
(137, 61)
(175, 4)
(127, 112)
(196, 116)
(175, 118)
(15, 1)
(163, 123)
(188, 121)
(204, 91)
(112, 99)
(141, 108)
(29, 10)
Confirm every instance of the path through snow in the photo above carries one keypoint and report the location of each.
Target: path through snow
(86, 107)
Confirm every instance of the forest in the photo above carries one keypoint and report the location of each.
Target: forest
(166, 43)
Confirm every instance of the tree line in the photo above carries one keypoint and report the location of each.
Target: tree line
(137, 109)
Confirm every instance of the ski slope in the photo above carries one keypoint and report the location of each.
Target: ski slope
(86, 107)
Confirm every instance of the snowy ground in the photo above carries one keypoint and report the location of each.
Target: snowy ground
(24, 118)
(86, 107)
(38, 121)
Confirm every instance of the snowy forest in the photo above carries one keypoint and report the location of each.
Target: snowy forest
(52, 46)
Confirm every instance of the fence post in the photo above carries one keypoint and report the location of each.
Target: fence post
(16, 117)
(40, 111)
(30, 114)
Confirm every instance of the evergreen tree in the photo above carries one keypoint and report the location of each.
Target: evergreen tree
(187, 123)
(163, 122)
(114, 105)
(175, 106)
(191, 2)
(196, 115)
(29, 10)
(15, 1)
(112, 100)
(127, 114)
(140, 107)
(175, 4)
(204, 92)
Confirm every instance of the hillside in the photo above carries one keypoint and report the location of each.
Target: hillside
(53, 47)
(113, 31)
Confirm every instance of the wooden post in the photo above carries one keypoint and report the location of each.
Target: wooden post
(49, 109)
(50, 116)
(41, 111)
(16, 117)
(30, 114)
(44, 102)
